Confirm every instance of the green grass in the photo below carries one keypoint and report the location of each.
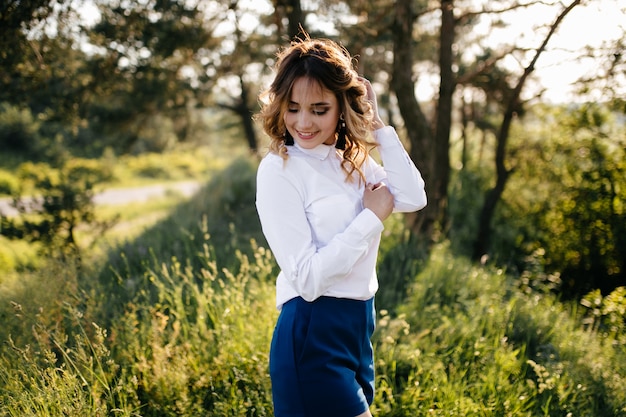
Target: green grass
(175, 317)
(467, 341)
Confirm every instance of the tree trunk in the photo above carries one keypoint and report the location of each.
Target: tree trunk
(417, 126)
(441, 177)
(242, 109)
(292, 10)
(245, 113)
(483, 237)
(295, 17)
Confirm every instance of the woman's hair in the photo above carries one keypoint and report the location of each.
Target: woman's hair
(331, 65)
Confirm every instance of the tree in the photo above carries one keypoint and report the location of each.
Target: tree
(40, 67)
(512, 108)
(418, 128)
(246, 56)
(562, 213)
(608, 80)
(430, 136)
(17, 51)
(150, 59)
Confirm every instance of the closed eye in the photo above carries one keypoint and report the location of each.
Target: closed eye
(318, 109)
(316, 112)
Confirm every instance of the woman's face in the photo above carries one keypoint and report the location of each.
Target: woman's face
(312, 114)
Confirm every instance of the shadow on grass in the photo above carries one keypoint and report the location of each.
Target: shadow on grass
(220, 217)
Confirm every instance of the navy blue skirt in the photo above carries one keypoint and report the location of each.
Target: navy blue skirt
(321, 358)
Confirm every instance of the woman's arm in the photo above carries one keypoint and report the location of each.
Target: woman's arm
(399, 172)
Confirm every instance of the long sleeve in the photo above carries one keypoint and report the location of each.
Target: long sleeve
(399, 172)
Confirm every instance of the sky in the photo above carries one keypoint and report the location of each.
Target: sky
(590, 24)
(557, 70)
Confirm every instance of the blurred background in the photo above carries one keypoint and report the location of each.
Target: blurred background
(525, 100)
(128, 151)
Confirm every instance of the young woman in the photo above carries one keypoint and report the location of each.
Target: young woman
(322, 200)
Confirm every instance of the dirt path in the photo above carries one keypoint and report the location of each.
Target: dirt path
(125, 195)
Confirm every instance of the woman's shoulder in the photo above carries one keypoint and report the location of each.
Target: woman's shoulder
(284, 162)
(275, 163)
(271, 158)
(295, 167)
(275, 170)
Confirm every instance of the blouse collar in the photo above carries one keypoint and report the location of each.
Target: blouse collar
(320, 152)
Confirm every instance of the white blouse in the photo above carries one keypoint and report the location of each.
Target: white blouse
(323, 240)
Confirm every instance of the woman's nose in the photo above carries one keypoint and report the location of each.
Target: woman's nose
(304, 119)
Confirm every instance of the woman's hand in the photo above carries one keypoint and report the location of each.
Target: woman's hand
(377, 198)
(377, 122)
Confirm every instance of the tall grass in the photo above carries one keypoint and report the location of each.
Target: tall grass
(468, 342)
(201, 346)
(178, 321)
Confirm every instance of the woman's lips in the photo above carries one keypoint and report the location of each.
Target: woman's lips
(306, 135)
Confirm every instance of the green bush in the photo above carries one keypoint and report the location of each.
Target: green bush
(607, 314)
(7, 262)
(565, 199)
(19, 129)
(17, 257)
(9, 184)
(62, 203)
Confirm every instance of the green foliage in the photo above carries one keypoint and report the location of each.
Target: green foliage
(143, 99)
(7, 263)
(20, 130)
(62, 203)
(178, 322)
(167, 166)
(566, 199)
(562, 215)
(16, 257)
(607, 315)
(8, 183)
(466, 342)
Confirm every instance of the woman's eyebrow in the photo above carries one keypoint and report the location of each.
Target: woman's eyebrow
(320, 104)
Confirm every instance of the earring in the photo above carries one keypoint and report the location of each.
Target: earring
(288, 138)
(341, 135)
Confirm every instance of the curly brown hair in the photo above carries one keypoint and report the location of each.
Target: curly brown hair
(330, 64)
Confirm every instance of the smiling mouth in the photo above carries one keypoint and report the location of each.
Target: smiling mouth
(306, 135)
